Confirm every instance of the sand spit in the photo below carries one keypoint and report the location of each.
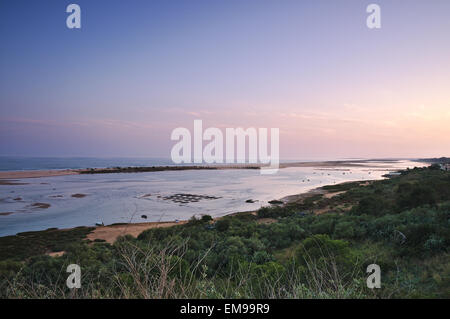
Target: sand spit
(33, 174)
(7, 178)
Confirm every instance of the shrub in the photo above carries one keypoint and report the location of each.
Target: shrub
(324, 252)
(344, 230)
(413, 195)
(223, 224)
(206, 218)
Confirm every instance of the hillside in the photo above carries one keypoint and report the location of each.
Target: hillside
(316, 247)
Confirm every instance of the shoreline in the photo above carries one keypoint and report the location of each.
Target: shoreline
(10, 176)
(110, 233)
(13, 175)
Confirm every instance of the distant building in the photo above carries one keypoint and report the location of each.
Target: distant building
(445, 167)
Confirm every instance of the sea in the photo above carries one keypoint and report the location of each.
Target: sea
(17, 163)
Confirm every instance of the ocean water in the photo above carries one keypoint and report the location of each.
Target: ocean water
(124, 197)
(14, 163)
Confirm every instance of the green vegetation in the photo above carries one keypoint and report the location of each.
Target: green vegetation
(401, 224)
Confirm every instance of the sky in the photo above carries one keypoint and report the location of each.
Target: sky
(136, 70)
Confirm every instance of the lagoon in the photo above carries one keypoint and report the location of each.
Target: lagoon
(84, 200)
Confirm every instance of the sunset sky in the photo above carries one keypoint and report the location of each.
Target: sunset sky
(136, 70)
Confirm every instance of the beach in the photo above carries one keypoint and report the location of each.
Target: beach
(112, 232)
(13, 175)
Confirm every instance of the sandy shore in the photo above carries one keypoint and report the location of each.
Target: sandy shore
(112, 232)
(8, 175)
(12, 175)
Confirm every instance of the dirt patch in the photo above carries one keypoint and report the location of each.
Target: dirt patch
(56, 254)
(346, 208)
(111, 233)
(321, 211)
(79, 195)
(365, 184)
(331, 195)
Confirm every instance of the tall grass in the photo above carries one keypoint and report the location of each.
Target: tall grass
(160, 273)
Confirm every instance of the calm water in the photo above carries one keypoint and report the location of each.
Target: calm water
(10, 163)
(114, 198)
(15, 163)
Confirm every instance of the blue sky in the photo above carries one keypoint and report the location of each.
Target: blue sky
(138, 69)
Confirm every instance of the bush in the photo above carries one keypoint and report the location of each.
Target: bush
(344, 230)
(413, 195)
(206, 218)
(372, 205)
(435, 244)
(324, 252)
(223, 224)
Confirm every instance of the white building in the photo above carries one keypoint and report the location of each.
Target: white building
(445, 167)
